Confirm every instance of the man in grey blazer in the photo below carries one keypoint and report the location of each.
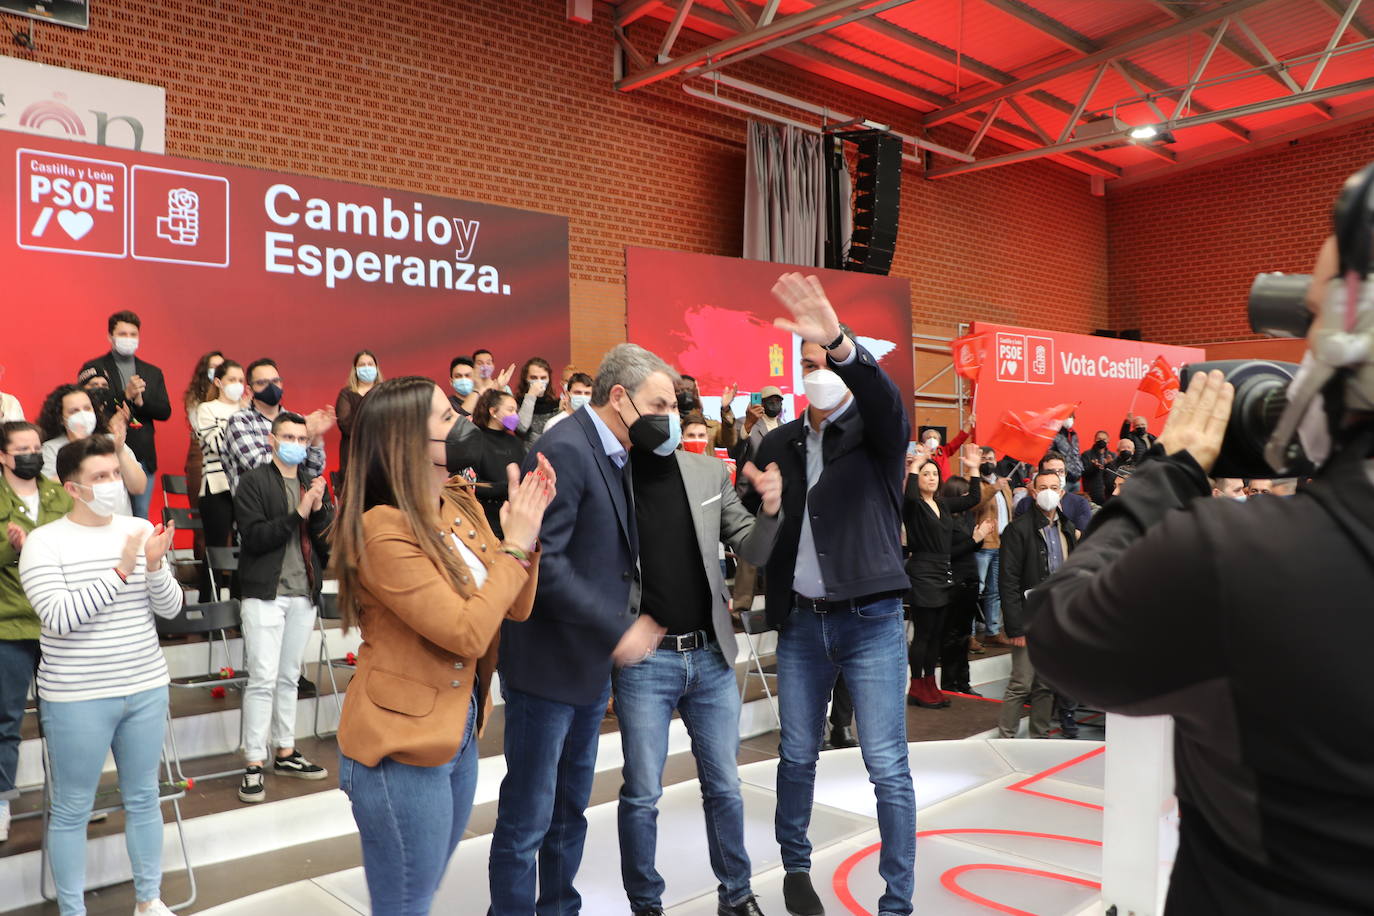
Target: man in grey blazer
(685, 506)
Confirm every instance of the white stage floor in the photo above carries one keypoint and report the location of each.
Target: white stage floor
(1004, 826)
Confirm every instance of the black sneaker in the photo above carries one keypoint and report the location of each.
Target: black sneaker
(298, 767)
(305, 689)
(651, 911)
(749, 907)
(799, 896)
(251, 789)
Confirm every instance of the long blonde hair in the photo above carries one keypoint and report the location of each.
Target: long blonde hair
(353, 381)
(388, 465)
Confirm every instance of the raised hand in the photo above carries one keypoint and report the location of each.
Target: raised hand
(157, 545)
(134, 390)
(128, 557)
(972, 457)
(768, 484)
(753, 415)
(503, 380)
(983, 529)
(523, 512)
(319, 422)
(813, 318)
(119, 426)
(1197, 424)
(727, 397)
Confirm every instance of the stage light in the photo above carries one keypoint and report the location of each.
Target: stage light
(1148, 132)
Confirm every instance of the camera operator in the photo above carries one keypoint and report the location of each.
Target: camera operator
(1153, 615)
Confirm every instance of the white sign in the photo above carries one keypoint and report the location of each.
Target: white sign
(71, 105)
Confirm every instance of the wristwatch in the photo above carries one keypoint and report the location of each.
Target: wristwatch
(834, 343)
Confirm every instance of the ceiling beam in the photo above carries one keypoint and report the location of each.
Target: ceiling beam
(1337, 8)
(1182, 27)
(631, 10)
(1083, 45)
(787, 26)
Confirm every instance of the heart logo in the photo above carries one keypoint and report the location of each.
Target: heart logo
(1011, 366)
(75, 224)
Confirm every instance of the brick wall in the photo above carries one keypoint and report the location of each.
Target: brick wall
(512, 104)
(1184, 249)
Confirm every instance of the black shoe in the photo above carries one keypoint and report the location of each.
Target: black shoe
(750, 907)
(251, 789)
(306, 689)
(651, 911)
(298, 767)
(843, 736)
(799, 896)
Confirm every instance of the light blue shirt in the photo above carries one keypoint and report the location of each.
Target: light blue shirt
(614, 450)
(806, 575)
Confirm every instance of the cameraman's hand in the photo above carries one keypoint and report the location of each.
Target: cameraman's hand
(1197, 424)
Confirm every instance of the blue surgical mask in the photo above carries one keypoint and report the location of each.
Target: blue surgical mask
(462, 386)
(291, 453)
(578, 401)
(367, 374)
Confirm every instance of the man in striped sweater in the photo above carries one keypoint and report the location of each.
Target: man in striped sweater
(95, 580)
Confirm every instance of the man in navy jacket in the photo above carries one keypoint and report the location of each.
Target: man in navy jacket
(556, 667)
(835, 586)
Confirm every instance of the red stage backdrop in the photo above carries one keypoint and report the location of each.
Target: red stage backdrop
(712, 318)
(256, 263)
(1030, 370)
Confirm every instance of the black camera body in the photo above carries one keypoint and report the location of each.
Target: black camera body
(1261, 396)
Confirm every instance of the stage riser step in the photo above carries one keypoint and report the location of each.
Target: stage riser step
(294, 821)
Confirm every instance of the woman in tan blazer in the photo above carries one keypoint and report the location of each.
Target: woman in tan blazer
(426, 581)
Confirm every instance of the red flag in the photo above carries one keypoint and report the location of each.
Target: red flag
(1161, 383)
(1027, 435)
(968, 352)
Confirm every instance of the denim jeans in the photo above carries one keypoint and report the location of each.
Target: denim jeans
(18, 662)
(989, 562)
(867, 646)
(79, 734)
(274, 637)
(550, 752)
(410, 820)
(139, 504)
(702, 687)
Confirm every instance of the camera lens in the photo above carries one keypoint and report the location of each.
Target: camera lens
(1278, 305)
(1261, 396)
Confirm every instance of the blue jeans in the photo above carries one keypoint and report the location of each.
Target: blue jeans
(867, 646)
(18, 662)
(551, 758)
(989, 562)
(79, 734)
(410, 820)
(139, 504)
(702, 686)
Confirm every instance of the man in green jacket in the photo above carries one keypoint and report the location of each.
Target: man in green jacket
(27, 500)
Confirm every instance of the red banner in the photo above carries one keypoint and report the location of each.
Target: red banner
(256, 263)
(1027, 435)
(969, 353)
(712, 318)
(1162, 384)
(1029, 371)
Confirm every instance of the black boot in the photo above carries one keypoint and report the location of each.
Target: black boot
(843, 736)
(799, 896)
(749, 907)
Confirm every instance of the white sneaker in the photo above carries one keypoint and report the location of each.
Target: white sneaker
(156, 908)
(4, 821)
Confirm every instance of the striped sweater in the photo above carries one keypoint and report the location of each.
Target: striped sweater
(98, 638)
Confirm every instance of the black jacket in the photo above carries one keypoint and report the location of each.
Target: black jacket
(1143, 441)
(930, 538)
(1222, 615)
(156, 406)
(267, 522)
(856, 505)
(1026, 563)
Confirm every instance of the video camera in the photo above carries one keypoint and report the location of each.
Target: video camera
(1286, 416)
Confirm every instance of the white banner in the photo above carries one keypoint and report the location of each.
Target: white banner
(56, 102)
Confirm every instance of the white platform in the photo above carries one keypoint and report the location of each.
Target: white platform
(981, 838)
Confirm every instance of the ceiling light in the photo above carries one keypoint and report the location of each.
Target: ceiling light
(1148, 132)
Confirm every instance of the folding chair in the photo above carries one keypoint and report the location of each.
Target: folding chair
(329, 610)
(172, 789)
(205, 620)
(755, 623)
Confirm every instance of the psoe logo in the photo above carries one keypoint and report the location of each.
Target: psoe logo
(55, 118)
(1011, 357)
(1040, 353)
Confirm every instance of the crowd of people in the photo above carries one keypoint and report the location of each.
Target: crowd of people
(564, 532)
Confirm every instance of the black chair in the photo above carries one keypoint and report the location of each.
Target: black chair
(329, 610)
(755, 623)
(207, 619)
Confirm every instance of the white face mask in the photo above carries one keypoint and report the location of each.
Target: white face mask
(125, 346)
(233, 391)
(824, 389)
(1068, 424)
(1047, 500)
(104, 497)
(1240, 498)
(932, 443)
(82, 423)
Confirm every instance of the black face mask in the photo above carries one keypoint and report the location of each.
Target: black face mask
(271, 395)
(771, 408)
(987, 468)
(1126, 458)
(1099, 446)
(687, 402)
(1142, 430)
(27, 467)
(648, 433)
